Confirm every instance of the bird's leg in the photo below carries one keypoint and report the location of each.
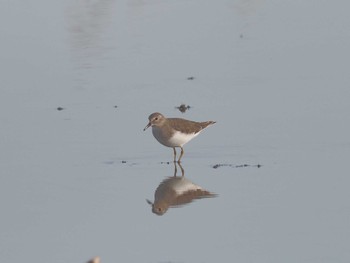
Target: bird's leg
(175, 170)
(182, 170)
(174, 154)
(182, 153)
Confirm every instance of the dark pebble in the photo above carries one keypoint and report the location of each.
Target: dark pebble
(183, 108)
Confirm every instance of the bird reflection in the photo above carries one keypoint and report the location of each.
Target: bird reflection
(176, 191)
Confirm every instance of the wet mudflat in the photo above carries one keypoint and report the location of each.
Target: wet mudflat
(80, 178)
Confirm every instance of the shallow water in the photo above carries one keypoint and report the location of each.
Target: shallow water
(74, 182)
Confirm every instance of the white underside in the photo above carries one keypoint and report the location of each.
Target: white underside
(183, 185)
(177, 140)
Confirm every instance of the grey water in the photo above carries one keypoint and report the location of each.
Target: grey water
(78, 81)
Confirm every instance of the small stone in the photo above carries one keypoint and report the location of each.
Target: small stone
(183, 108)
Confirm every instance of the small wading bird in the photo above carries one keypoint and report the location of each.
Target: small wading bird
(175, 192)
(175, 132)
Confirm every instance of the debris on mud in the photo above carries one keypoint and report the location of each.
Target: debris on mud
(215, 166)
(183, 108)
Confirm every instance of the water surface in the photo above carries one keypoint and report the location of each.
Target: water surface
(74, 182)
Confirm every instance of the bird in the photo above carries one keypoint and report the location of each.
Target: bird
(175, 132)
(176, 191)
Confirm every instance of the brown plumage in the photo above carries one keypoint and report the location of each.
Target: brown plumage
(175, 192)
(175, 132)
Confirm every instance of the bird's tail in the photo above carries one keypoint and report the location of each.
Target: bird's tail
(207, 123)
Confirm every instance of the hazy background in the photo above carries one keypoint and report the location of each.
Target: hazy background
(273, 74)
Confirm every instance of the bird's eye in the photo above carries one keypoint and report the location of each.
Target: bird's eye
(156, 118)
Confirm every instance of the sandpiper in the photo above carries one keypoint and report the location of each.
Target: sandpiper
(175, 192)
(175, 132)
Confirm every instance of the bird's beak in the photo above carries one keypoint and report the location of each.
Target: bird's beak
(149, 124)
(149, 202)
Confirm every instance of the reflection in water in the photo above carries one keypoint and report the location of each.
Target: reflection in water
(247, 7)
(86, 23)
(176, 191)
